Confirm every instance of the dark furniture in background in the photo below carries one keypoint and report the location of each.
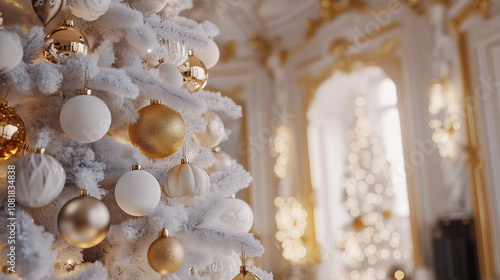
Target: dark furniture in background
(455, 253)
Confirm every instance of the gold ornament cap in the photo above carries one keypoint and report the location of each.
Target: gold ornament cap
(40, 150)
(84, 192)
(136, 167)
(154, 101)
(184, 160)
(69, 22)
(163, 233)
(216, 149)
(190, 52)
(86, 91)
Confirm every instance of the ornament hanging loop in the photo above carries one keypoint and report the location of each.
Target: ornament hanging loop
(184, 152)
(86, 90)
(3, 97)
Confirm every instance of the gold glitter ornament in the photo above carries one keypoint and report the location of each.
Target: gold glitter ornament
(166, 254)
(159, 131)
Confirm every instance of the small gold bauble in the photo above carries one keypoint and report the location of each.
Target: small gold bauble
(63, 42)
(165, 255)
(194, 72)
(159, 131)
(386, 214)
(12, 132)
(245, 274)
(357, 224)
(84, 221)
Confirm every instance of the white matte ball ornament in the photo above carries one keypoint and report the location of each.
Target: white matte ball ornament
(40, 179)
(210, 55)
(147, 7)
(170, 74)
(85, 118)
(137, 192)
(186, 180)
(89, 10)
(237, 215)
(213, 134)
(221, 161)
(11, 50)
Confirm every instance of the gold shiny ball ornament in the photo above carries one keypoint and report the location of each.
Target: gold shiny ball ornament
(84, 221)
(213, 134)
(159, 131)
(64, 41)
(194, 72)
(245, 274)
(166, 254)
(12, 132)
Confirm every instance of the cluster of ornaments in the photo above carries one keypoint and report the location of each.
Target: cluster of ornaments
(159, 132)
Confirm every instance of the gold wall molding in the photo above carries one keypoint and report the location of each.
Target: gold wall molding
(329, 11)
(479, 189)
(228, 51)
(347, 62)
(475, 7)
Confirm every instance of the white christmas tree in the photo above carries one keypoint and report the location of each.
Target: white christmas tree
(113, 52)
(370, 242)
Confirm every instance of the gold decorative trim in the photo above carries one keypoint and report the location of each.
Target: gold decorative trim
(380, 31)
(479, 189)
(329, 11)
(228, 51)
(475, 7)
(347, 62)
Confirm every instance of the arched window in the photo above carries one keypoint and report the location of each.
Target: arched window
(333, 126)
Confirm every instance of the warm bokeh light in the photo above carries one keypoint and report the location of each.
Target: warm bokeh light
(291, 222)
(279, 150)
(445, 110)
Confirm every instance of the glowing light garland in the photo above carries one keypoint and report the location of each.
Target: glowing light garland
(291, 221)
(279, 150)
(445, 110)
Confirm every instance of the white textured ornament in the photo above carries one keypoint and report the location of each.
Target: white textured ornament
(221, 161)
(137, 192)
(237, 215)
(171, 74)
(213, 134)
(11, 50)
(85, 118)
(40, 179)
(89, 10)
(186, 179)
(147, 7)
(210, 55)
